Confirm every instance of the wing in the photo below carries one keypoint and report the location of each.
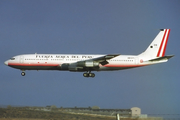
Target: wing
(90, 64)
(103, 60)
(96, 61)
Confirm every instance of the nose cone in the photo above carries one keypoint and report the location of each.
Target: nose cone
(6, 62)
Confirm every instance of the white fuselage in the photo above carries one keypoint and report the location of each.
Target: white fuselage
(55, 61)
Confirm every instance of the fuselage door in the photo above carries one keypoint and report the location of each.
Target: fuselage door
(21, 60)
(136, 60)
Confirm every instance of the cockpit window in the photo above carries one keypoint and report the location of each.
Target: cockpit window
(12, 58)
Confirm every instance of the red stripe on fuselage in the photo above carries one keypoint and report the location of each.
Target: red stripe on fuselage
(19, 65)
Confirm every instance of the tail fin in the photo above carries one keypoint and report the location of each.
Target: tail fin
(158, 46)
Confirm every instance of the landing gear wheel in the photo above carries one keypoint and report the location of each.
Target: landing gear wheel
(85, 74)
(23, 73)
(89, 75)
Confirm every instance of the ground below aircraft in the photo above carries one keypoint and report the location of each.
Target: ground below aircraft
(155, 53)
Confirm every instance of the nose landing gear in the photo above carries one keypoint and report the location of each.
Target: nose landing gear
(23, 73)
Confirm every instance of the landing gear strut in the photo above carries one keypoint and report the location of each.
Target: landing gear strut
(88, 74)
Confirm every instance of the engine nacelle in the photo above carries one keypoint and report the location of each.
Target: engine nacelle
(88, 64)
(79, 66)
(74, 67)
(65, 66)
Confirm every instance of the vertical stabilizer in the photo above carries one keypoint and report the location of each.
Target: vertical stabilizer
(158, 46)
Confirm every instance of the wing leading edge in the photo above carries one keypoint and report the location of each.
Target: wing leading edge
(103, 60)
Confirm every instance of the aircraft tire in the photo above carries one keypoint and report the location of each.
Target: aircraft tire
(23, 73)
(85, 74)
(91, 75)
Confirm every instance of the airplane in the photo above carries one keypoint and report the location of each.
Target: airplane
(155, 53)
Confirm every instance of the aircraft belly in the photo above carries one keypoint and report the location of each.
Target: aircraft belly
(120, 67)
(32, 66)
(111, 68)
(36, 67)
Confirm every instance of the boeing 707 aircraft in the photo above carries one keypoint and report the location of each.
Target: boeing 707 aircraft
(155, 53)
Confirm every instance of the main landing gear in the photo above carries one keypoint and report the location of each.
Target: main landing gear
(89, 74)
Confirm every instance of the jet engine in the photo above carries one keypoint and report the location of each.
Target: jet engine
(65, 66)
(79, 66)
(88, 64)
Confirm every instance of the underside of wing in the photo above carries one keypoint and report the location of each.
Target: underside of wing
(103, 60)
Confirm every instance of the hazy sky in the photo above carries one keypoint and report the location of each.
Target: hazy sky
(90, 27)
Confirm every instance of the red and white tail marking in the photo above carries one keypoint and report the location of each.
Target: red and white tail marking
(162, 48)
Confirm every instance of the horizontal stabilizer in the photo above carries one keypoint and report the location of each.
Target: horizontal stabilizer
(162, 58)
